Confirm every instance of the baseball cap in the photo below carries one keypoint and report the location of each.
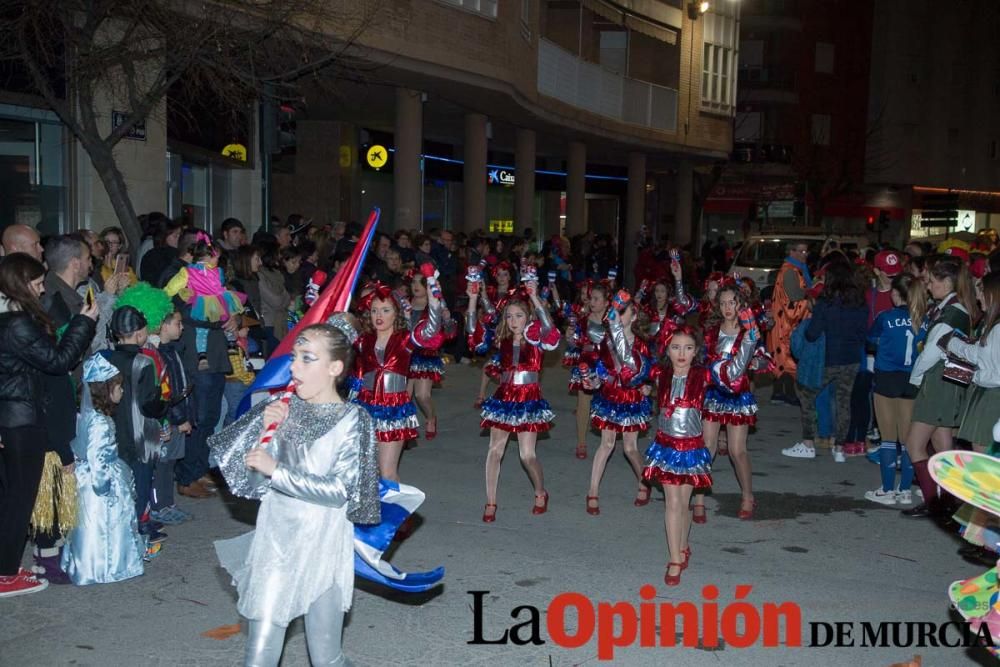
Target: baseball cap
(889, 263)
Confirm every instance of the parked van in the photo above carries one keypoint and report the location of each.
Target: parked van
(762, 255)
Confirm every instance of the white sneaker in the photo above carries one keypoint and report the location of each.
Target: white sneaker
(838, 455)
(881, 497)
(800, 451)
(904, 497)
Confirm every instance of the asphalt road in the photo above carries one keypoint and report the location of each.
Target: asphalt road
(815, 542)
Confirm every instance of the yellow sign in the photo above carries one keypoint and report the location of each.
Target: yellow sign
(345, 156)
(377, 156)
(236, 152)
(502, 226)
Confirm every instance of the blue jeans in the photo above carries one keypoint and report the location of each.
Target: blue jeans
(208, 390)
(143, 473)
(233, 393)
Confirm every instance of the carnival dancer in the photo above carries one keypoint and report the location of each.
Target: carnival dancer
(498, 289)
(382, 364)
(730, 404)
(937, 408)
(710, 290)
(677, 458)
(657, 308)
(587, 335)
(320, 466)
(517, 406)
(621, 405)
(426, 365)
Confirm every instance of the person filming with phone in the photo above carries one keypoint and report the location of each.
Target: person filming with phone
(116, 275)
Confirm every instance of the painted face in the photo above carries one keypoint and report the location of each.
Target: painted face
(681, 352)
(660, 293)
(939, 287)
(728, 305)
(516, 319)
(383, 315)
(598, 302)
(313, 371)
(37, 286)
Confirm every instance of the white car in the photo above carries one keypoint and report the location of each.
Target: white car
(762, 255)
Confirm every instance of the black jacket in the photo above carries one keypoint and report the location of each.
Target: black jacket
(180, 410)
(155, 263)
(26, 352)
(145, 394)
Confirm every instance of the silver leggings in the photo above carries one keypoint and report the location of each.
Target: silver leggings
(324, 625)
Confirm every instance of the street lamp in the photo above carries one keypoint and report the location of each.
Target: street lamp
(696, 9)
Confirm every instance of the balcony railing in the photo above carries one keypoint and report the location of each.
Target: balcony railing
(591, 87)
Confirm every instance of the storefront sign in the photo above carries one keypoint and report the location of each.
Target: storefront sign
(235, 151)
(500, 177)
(782, 208)
(377, 156)
(502, 226)
(138, 131)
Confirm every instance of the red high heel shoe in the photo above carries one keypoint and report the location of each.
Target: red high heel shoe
(545, 505)
(645, 493)
(596, 509)
(490, 517)
(581, 451)
(699, 518)
(687, 557)
(747, 515)
(673, 579)
(428, 433)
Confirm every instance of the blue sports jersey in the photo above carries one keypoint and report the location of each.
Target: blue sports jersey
(897, 344)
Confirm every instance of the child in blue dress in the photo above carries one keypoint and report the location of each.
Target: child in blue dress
(105, 546)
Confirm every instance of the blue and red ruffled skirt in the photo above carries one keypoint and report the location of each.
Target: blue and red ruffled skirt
(728, 408)
(394, 416)
(517, 409)
(620, 409)
(671, 460)
(426, 366)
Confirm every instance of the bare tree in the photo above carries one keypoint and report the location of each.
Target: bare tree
(82, 54)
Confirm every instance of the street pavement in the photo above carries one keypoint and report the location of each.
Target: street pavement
(815, 542)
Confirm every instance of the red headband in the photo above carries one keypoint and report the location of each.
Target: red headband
(380, 291)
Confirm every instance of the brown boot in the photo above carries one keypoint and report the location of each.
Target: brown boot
(194, 490)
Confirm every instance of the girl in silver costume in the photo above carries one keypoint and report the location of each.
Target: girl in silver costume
(318, 476)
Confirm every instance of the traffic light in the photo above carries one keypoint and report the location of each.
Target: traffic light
(870, 223)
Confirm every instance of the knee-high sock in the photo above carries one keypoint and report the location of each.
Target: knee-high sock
(264, 644)
(324, 626)
(906, 471)
(887, 464)
(925, 481)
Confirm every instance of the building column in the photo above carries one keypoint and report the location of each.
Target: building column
(474, 173)
(683, 224)
(524, 181)
(635, 213)
(407, 178)
(576, 189)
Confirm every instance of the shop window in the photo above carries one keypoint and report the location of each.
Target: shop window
(32, 191)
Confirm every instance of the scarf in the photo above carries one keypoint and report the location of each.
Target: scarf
(801, 266)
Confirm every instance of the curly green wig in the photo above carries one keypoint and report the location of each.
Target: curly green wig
(152, 302)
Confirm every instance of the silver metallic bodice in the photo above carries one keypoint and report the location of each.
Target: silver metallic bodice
(724, 345)
(683, 422)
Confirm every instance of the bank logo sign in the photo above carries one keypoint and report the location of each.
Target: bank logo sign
(500, 177)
